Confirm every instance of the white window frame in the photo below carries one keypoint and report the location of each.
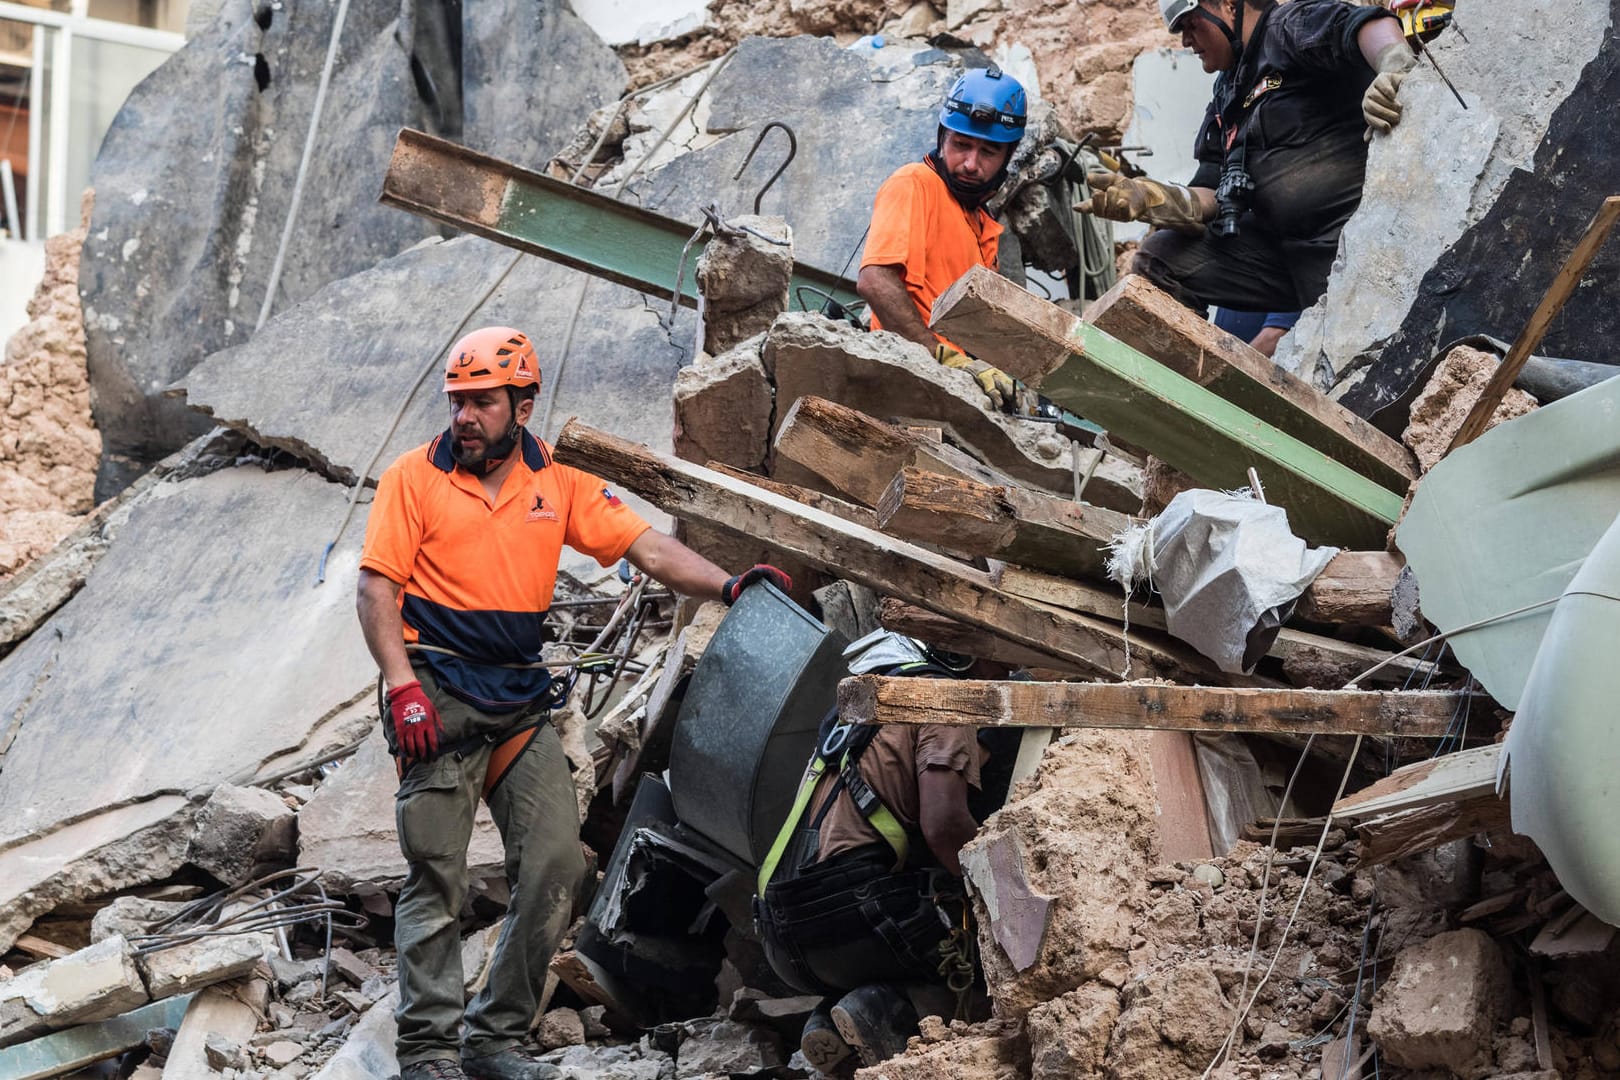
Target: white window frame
(54, 144)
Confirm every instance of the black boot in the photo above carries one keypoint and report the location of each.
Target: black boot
(433, 1069)
(508, 1064)
(876, 1020)
(823, 1047)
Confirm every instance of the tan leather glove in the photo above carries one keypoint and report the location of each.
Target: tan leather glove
(1379, 105)
(1120, 198)
(996, 384)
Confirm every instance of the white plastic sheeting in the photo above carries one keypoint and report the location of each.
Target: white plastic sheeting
(1561, 757)
(1229, 570)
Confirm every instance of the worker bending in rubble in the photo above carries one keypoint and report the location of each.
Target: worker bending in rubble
(929, 224)
(457, 573)
(860, 898)
(1302, 88)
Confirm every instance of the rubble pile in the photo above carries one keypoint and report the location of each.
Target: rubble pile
(48, 445)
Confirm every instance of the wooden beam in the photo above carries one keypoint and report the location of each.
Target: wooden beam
(876, 699)
(933, 581)
(972, 519)
(1292, 647)
(1356, 588)
(1148, 405)
(856, 454)
(1465, 775)
(1410, 831)
(1558, 293)
(1149, 320)
(920, 623)
(829, 504)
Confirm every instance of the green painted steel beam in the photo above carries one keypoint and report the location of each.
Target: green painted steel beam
(562, 222)
(1146, 404)
(74, 1048)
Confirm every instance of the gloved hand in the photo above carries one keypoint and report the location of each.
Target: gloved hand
(759, 572)
(415, 722)
(1379, 106)
(1121, 198)
(996, 384)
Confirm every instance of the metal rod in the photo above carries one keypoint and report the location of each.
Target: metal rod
(793, 152)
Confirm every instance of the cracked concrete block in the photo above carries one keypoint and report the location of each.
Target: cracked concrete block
(240, 828)
(1440, 1004)
(1444, 403)
(1086, 823)
(125, 846)
(199, 963)
(131, 916)
(1068, 1036)
(91, 984)
(1019, 914)
(165, 285)
(743, 280)
(347, 829)
(723, 408)
(203, 661)
(886, 376)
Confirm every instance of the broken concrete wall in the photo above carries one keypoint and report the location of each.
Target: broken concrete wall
(390, 326)
(48, 446)
(197, 173)
(1467, 215)
(196, 653)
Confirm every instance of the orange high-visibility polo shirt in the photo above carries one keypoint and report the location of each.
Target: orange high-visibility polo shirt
(478, 576)
(918, 225)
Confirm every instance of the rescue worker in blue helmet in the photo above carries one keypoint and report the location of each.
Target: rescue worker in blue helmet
(929, 225)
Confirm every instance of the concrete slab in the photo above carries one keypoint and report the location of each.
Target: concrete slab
(347, 829)
(187, 659)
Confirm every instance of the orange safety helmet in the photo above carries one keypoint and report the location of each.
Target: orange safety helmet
(491, 357)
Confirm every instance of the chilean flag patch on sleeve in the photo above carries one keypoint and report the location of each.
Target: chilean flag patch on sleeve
(613, 500)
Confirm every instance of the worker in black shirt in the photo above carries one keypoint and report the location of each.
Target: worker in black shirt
(1301, 89)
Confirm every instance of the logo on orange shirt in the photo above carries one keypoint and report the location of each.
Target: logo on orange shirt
(613, 500)
(540, 511)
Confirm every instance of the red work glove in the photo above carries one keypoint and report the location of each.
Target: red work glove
(760, 572)
(415, 722)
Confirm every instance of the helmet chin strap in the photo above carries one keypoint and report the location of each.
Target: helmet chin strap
(969, 195)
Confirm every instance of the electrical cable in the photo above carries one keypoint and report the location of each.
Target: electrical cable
(303, 165)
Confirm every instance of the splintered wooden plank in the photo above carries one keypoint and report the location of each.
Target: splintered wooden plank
(1149, 320)
(877, 699)
(851, 551)
(1465, 775)
(972, 519)
(1148, 405)
(831, 504)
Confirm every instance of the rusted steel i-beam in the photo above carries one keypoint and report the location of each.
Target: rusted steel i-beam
(555, 220)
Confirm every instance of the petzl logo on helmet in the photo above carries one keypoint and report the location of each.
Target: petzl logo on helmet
(613, 500)
(523, 371)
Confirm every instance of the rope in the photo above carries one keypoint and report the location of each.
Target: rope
(303, 165)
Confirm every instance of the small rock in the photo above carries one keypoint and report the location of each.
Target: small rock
(279, 1015)
(302, 993)
(1274, 1040)
(282, 1052)
(1209, 875)
(1165, 874)
(559, 1028)
(223, 1054)
(351, 967)
(289, 973)
(592, 1019)
(356, 1001)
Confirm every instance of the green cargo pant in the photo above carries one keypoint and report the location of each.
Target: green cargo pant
(535, 810)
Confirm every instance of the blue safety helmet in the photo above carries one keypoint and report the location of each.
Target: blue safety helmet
(985, 103)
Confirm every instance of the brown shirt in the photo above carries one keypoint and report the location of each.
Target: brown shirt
(892, 765)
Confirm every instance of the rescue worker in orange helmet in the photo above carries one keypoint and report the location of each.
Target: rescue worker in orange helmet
(456, 577)
(929, 225)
